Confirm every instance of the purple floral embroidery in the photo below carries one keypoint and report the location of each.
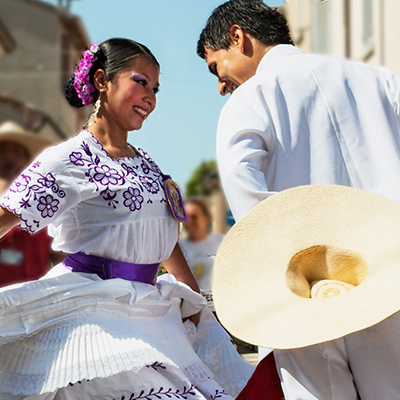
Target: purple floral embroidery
(47, 206)
(105, 178)
(149, 164)
(79, 382)
(47, 181)
(218, 394)
(32, 188)
(109, 179)
(106, 175)
(156, 365)
(150, 184)
(20, 184)
(86, 149)
(145, 167)
(129, 170)
(133, 199)
(162, 394)
(76, 158)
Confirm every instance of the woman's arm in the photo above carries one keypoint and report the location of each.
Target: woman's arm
(7, 221)
(177, 266)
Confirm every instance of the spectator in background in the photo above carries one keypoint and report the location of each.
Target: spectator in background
(23, 257)
(201, 246)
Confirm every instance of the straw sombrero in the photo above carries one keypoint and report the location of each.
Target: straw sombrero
(11, 131)
(300, 241)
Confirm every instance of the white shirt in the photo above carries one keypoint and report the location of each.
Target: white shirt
(309, 119)
(200, 257)
(114, 208)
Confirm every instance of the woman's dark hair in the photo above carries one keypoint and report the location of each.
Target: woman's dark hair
(201, 204)
(114, 56)
(264, 23)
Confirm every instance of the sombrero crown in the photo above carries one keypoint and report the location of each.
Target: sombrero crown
(276, 260)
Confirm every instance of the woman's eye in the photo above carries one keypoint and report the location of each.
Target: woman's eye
(140, 80)
(156, 90)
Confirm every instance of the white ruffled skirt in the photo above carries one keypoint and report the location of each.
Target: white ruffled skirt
(71, 336)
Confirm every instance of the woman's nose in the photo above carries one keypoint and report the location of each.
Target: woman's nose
(151, 98)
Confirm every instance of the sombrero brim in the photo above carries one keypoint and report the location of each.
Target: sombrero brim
(251, 292)
(33, 143)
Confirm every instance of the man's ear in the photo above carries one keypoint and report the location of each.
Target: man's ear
(100, 81)
(238, 38)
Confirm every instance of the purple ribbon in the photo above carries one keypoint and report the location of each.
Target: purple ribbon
(107, 268)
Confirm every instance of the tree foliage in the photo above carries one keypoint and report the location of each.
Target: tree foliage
(204, 180)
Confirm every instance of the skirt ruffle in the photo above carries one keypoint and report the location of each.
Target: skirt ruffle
(73, 327)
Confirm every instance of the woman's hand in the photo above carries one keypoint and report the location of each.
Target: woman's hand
(177, 266)
(195, 318)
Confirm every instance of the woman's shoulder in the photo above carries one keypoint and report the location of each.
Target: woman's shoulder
(61, 151)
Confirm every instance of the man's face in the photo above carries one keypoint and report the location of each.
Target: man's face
(231, 67)
(13, 159)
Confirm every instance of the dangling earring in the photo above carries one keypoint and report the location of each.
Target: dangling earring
(93, 115)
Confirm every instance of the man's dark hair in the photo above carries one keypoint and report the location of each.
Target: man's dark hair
(264, 23)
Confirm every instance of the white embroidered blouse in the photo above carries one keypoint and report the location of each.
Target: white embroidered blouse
(113, 208)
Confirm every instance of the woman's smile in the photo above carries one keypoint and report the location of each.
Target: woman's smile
(141, 112)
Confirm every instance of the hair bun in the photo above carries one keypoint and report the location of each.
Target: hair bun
(70, 93)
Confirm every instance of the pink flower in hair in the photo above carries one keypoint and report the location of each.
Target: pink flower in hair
(94, 48)
(82, 85)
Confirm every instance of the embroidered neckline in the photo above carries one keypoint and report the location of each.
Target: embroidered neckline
(137, 151)
(143, 176)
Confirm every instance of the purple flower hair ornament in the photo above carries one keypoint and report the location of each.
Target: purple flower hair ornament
(82, 84)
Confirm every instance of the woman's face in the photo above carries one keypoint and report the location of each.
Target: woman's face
(131, 97)
(196, 224)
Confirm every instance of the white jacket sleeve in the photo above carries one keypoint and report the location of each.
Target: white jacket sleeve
(245, 142)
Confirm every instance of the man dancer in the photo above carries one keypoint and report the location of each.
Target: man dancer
(297, 119)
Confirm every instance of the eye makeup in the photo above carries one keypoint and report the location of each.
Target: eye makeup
(143, 81)
(139, 79)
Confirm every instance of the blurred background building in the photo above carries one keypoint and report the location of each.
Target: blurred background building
(362, 30)
(39, 46)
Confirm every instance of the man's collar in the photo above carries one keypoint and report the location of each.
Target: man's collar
(275, 52)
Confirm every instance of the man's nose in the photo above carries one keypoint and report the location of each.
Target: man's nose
(223, 88)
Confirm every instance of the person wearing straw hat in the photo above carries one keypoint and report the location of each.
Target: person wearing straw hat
(298, 119)
(22, 256)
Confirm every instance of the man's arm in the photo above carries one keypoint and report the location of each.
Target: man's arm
(244, 145)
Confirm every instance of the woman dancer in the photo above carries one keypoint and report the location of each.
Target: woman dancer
(98, 326)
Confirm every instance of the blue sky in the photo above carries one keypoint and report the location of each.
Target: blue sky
(181, 131)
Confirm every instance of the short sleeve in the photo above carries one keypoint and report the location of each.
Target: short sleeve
(42, 192)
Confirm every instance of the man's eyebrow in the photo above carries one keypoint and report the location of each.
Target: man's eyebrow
(213, 69)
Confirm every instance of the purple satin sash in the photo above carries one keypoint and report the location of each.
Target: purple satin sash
(107, 268)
